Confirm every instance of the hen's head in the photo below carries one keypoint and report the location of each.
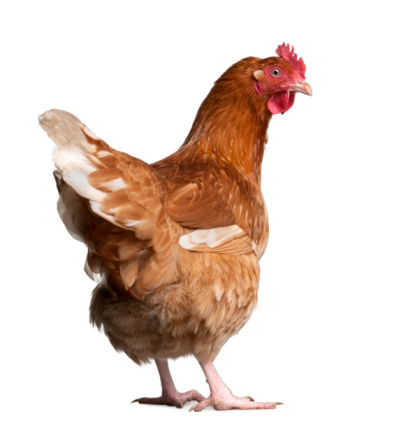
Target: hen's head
(279, 78)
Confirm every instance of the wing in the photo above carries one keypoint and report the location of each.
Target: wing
(209, 199)
(125, 224)
(200, 195)
(221, 240)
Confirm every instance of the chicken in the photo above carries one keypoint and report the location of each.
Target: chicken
(176, 245)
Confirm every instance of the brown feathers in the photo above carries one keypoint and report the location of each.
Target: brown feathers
(177, 243)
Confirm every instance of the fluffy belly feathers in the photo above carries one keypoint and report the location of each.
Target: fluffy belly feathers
(196, 315)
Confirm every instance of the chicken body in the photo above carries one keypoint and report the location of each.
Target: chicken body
(177, 243)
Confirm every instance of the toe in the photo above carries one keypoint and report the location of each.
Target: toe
(176, 399)
(193, 395)
(232, 402)
(202, 405)
(148, 400)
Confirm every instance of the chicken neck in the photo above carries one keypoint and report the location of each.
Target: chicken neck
(230, 127)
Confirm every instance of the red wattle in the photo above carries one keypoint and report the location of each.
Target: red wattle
(281, 102)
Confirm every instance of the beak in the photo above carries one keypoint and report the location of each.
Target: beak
(302, 87)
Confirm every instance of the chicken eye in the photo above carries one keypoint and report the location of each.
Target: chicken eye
(275, 72)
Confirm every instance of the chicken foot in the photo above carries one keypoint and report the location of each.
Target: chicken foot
(221, 397)
(170, 395)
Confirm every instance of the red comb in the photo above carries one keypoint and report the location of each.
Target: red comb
(284, 51)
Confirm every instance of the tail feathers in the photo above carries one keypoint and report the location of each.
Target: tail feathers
(73, 154)
(121, 189)
(125, 192)
(70, 209)
(68, 133)
(65, 128)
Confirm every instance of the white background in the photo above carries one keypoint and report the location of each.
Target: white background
(324, 338)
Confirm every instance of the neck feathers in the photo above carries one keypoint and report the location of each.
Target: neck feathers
(230, 126)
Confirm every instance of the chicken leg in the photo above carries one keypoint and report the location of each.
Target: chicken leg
(170, 396)
(221, 397)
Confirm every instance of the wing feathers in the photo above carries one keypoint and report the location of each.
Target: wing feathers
(107, 180)
(224, 240)
(128, 272)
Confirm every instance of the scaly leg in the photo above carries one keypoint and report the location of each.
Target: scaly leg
(221, 397)
(170, 396)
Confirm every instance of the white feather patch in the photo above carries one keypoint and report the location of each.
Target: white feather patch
(97, 208)
(211, 237)
(228, 240)
(102, 153)
(97, 277)
(132, 223)
(76, 176)
(115, 185)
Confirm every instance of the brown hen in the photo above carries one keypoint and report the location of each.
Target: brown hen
(176, 245)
